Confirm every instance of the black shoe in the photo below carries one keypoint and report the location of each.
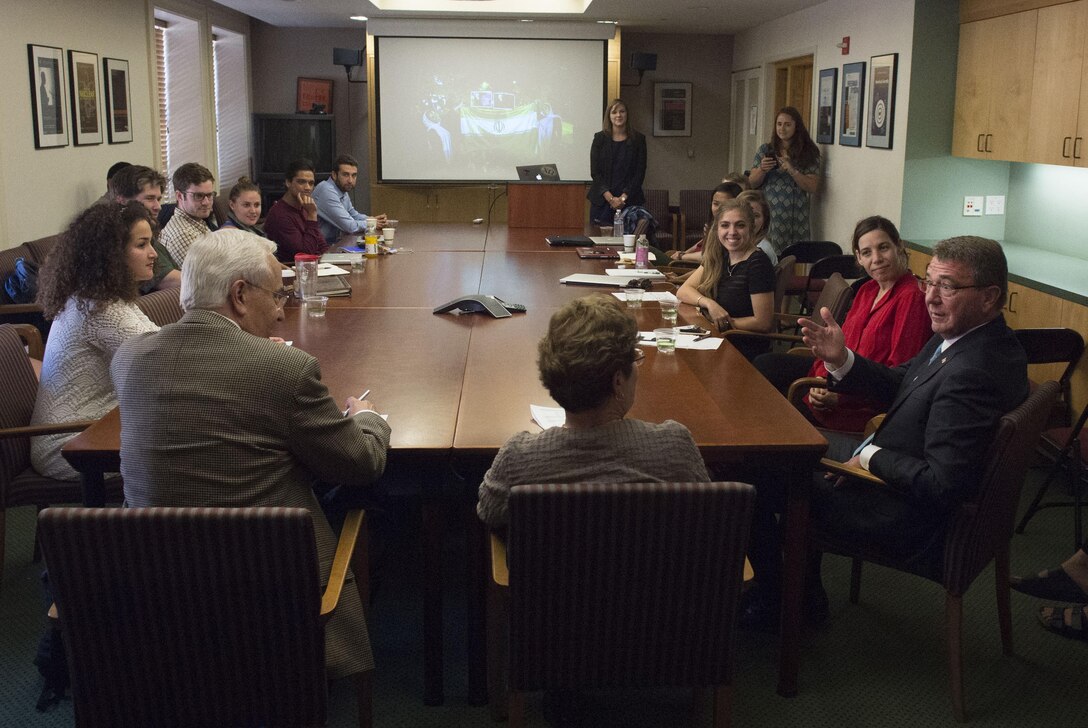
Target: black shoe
(1050, 584)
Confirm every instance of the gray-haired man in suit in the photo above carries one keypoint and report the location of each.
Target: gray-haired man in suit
(214, 413)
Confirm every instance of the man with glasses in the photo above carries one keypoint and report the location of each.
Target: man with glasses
(194, 186)
(213, 413)
(943, 408)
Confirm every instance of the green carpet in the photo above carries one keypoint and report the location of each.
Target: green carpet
(880, 663)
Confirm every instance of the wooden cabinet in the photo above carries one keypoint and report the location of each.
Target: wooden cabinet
(454, 203)
(1059, 109)
(1028, 308)
(994, 76)
(918, 262)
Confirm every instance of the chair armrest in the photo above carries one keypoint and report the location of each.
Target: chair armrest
(345, 547)
(799, 388)
(54, 429)
(14, 308)
(773, 336)
(32, 339)
(499, 573)
(834, 466)
(54, 616)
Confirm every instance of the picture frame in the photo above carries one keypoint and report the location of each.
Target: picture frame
(672, 109)
(313, 96)
(115, 81)
(825, 106)
(48, 96)
(853, 104)
(86, 98)
(883, 71)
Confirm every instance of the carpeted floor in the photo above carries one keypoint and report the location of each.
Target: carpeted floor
(880, 663)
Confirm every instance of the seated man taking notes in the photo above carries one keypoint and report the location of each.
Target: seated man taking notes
(213, 413)
(943, 408)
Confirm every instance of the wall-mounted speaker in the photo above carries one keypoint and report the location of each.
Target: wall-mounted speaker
(644, 61)
(347, 57)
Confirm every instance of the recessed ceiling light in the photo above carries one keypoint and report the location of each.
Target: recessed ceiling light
(526, 20)
(608, 22)
(358, 17)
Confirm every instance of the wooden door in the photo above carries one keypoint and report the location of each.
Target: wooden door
(973, 77)
(746, 135)
(1056, 85)
(793, 86)
(1012, 66)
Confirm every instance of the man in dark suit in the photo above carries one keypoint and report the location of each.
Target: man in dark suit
(943, 409)
(214, 413)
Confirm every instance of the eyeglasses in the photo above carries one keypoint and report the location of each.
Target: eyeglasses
(201, 196)
(639, 356)
(278, 296)
(944, 290)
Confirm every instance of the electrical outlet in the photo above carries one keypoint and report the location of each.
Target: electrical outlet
(972, 206)
(995, 204)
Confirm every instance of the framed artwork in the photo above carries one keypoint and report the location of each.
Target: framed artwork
(314, 96)
(825, 107)
(853, 99)
(882, 72)
(49, 102)
(86, 91)
(672, 109)
(115, 82)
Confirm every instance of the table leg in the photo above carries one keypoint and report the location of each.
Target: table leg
(433, 528)
(793, 579)
(94, 489)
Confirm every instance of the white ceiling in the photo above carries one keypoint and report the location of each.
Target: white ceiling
(665, 16)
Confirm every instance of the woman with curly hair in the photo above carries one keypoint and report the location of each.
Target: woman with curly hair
(589, 361)
(88, 287)
(787, 169)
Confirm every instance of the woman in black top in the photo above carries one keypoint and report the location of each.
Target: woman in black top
(735, 284)
(617, 163)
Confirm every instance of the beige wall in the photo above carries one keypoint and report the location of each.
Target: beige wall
(698, 161)
(858, 181)
(42, 189)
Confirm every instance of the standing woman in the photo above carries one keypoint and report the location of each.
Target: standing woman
(88, 288)
(735, 283)
(245, 207)
(787, 170)
(617, 163)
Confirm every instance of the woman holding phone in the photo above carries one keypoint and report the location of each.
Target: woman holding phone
(787, 171)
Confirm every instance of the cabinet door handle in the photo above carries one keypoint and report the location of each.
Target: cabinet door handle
(1012, 297)
(988, 138)
(1076, 147)
(978, 143)
(1065, 147)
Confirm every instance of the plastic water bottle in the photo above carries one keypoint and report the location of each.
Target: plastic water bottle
(642, 253)
(617, 224)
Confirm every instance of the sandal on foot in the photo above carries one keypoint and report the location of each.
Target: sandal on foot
(1050, 584)
(1068, 621)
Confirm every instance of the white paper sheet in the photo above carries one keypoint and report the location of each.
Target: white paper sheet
(683, 341)
(650, 296)
(631, 257)
(323, 269)
(635, 272)
(547, 417)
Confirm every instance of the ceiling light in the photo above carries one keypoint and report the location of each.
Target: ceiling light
(608, 22)
(361, 18)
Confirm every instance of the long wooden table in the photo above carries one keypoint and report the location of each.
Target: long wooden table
(456, 387)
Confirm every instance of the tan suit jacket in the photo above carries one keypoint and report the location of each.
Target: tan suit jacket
(214, 416)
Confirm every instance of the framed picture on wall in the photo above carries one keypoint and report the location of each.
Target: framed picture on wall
(672, 109)
(882, 72)
(118, 118)
(853, 101)
(86, 95)
(49, 100)
(825, 107)
(314, 96)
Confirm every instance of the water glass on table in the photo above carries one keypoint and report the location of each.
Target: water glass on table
(633, 296)
(316, 305)
(668, 312)
(666, 340)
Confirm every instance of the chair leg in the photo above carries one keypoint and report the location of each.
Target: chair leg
(723, 706)
(516, 702)
(1004, 606)
(496, 657)
(360, 567)
(36, 556)
(364, 689)
(953, 617)
(1033, 507)
(855, 581)
(3, 535)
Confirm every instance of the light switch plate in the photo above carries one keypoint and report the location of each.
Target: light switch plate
(995, 204)
(972, 206)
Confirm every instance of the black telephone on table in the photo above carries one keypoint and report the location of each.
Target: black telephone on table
(481, 304)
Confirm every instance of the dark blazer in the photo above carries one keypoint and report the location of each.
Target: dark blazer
(942, 415)
(600, 168)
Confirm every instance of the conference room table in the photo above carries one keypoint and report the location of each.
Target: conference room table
(456, 387)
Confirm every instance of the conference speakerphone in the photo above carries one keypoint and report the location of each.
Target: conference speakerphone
(480, 304)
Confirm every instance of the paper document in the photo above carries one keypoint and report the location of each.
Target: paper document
(683, 341)
(593, 279)
(548, 417)
(635, 272)
(650, 296)
(323, 269)
(607, 240)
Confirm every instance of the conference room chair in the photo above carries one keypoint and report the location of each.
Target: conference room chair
(657, 202)
(1054, 346)
(694, 213)
(20, 485)
(783, 274)
(845, 265)
(41, 247)
(837, 296)
(1070, 455)
(807, 252)
(10, 311)
(978, 533)
(618, 586)
(196, 616)
(162, 307)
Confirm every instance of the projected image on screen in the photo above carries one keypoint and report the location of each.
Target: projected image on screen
(473, 109)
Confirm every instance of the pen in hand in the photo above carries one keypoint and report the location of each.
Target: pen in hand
(364, 395)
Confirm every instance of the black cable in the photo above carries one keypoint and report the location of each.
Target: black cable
(490, 207)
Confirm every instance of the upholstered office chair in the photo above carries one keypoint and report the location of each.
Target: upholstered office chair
(657, 202)
(694, 212)
(837, 296)
(845, 265)
(629, 585)
(162, 307)
(195, 616)
(979, 532)
(1053, 346)
(20, 485)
